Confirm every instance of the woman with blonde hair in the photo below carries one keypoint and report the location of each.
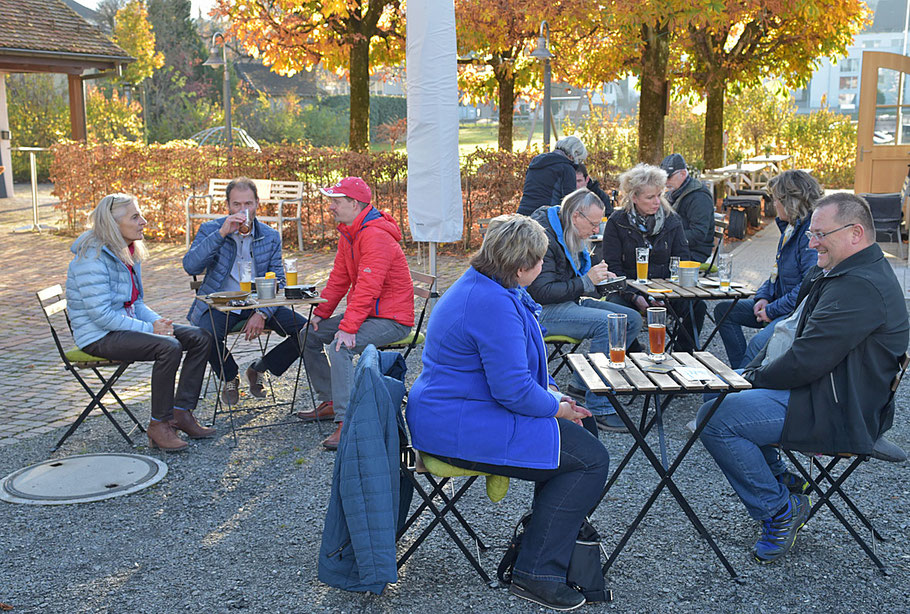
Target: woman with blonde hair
(485, 401)
(648, 220)
(110, 319)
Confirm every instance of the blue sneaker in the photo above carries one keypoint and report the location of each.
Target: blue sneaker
(793, 482)
(779, 532)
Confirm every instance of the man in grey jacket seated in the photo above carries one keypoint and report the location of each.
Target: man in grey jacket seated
(826, 391)
(694, 203)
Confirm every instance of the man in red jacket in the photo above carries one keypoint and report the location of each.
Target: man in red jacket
(370, 268)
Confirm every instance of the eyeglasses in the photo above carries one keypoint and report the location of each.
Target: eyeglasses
(595, 224)
(818, 236)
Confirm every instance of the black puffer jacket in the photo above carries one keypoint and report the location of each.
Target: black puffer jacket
(557, 282)
(550, 178)
(851, 332)
(694, 203)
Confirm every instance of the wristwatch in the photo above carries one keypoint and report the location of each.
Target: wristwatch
(264, 315)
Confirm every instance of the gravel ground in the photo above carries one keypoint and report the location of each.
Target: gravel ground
(237, 527)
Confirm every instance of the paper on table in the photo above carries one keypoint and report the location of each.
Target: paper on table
(695, 374)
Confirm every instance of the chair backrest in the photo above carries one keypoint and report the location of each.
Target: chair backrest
(53, 305)
(425, 288)
(884, 207)
(268, 191)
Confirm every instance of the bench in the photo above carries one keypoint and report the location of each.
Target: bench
(273, 195)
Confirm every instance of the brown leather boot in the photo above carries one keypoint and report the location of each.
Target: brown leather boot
(323, 411)
(331, 442)
(184, 420)
(162, 435)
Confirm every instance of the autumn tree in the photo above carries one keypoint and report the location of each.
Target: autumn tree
(734, 43)
(133, 32)
(495, 39)
(343, 35)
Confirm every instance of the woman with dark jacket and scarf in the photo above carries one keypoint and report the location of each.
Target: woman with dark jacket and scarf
(647, 220)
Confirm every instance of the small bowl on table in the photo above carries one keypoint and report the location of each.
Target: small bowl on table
(223, 298)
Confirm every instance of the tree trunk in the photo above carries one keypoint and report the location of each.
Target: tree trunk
(360, 96)
(653, 104)
(714, 124)
(505, 78)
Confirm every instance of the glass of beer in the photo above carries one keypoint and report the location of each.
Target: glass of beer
(616, 331)
(657, 333)
(724, 271)
(290, 271)
(246, 226)
(641, 264)
(246, 275)
(674, 269)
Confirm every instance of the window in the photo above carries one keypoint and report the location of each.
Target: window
(849, 65)
(848, 83)
(846, 101)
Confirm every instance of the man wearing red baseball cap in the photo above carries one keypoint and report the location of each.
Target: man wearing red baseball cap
(371, 269)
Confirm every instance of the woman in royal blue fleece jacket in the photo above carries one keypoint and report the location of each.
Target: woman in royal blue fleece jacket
(485, 401)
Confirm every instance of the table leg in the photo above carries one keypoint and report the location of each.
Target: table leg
(718, 323)
(220, 382)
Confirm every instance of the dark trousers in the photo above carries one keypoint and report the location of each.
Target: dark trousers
(132, 346)
(562, 498)
(283, 322)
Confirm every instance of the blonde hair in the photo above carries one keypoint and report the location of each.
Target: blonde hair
(641, 176)
(104, 229)
(511, 242)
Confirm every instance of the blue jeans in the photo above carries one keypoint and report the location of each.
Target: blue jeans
(284, 322)
(588, 320)
(738, 356)
(739, 436)
(562, 498)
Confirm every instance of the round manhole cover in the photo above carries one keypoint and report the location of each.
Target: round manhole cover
(82, 478)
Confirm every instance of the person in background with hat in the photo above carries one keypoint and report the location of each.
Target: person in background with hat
(221, 247)
(371, 270)
(694, 203)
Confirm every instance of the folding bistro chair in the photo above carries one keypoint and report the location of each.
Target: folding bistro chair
(883, 450)
(425, 288)
(53, 305)
(437, 475)
(559, 343)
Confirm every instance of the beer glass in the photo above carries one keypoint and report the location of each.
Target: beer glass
(724, 271)
(641, 264)
(290, 271)
(657, 333)
(674, 269)
(616, 332)
(246, 275)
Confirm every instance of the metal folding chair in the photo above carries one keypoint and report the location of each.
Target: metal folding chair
(883, 450)
(425, 288)
(53, 305)
(559, 343)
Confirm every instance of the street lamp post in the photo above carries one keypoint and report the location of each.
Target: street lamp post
(213, 61)
(542, 52)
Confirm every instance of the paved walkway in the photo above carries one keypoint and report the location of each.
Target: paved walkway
(39, 396)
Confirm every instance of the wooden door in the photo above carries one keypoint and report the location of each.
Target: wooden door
(883, 133)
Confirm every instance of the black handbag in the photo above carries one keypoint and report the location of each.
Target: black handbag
(585, 567)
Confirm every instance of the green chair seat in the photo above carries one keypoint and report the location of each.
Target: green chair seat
(706, 268)
(407, 341)
(77, 355)
(561, 339)
(497, 485)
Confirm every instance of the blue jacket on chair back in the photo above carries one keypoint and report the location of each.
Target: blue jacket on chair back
(358, 551)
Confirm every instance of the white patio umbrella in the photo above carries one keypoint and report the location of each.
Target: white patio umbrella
(434, 178)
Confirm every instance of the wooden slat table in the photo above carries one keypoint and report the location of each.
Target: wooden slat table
(278, 301)
(658, 289)
(635, 379)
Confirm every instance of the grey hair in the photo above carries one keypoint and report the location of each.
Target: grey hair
(104, 229)
(512, 242)
(639, 177)
(241, 182)
(797, 192)
(850, 209)
(580, 200)
(573, 147)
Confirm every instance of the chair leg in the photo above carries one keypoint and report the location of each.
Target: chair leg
(96, 400)
(120, 401)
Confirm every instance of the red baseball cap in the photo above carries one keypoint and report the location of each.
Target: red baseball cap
(352, 187)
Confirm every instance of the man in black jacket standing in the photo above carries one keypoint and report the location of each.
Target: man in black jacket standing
(694, 203)
(826, 391)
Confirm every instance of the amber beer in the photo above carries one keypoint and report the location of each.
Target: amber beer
(245, 227)
(657, 333)
(618, 356)
(246, 286)
(657, 338)
(616, 335)
(641, 264)
(291, 277)
(641, 270)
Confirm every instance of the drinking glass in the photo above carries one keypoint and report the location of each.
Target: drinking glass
(616, 331)
(290, 271)
(724, 271)
(657, 333)
(246, 275)
(246, 227)
(674, 269)
(641, 264)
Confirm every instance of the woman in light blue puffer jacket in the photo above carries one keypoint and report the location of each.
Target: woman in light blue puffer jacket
(110, 320)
